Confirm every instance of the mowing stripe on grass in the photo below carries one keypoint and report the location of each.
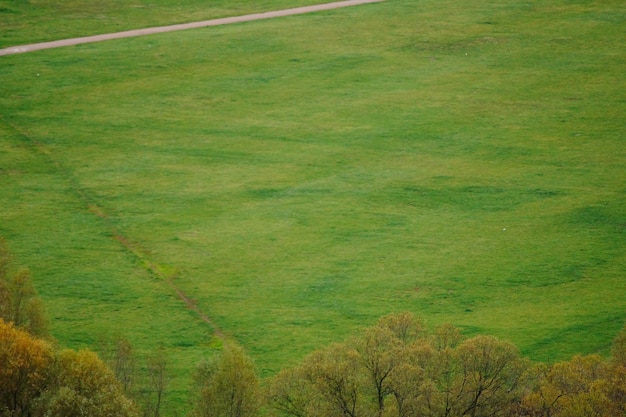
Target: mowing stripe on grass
(162, 29)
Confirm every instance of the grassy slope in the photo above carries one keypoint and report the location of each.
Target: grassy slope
(300, 177)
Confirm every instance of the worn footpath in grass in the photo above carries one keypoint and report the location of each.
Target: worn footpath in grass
(300, 177)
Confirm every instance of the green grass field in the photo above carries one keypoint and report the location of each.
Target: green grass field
(300, 177)
(31, 21)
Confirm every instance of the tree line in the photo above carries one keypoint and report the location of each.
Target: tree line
(395, 368)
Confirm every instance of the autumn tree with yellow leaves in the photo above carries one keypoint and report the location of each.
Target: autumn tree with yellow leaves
(36, 380)
(585, 386)
(24, 370)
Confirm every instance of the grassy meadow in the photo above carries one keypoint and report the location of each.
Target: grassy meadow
(297, 178)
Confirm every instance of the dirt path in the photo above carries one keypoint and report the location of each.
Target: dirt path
(184, 26)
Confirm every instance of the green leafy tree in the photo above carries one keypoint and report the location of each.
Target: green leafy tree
(158, 379)
(290, 393)
(404, 326)
(380, 354)
(490, 377)
(83, 386)
(389, 355)
(446, 337)
(330, 382)
(119, 355)
(227, 385)
(337, 381)
(124, 363)
(410, 384)
(19, 303)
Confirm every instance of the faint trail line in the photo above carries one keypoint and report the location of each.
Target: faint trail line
(157, 270)
(191, 304)
(163, 29)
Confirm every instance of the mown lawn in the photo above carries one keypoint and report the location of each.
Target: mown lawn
(300, 177)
